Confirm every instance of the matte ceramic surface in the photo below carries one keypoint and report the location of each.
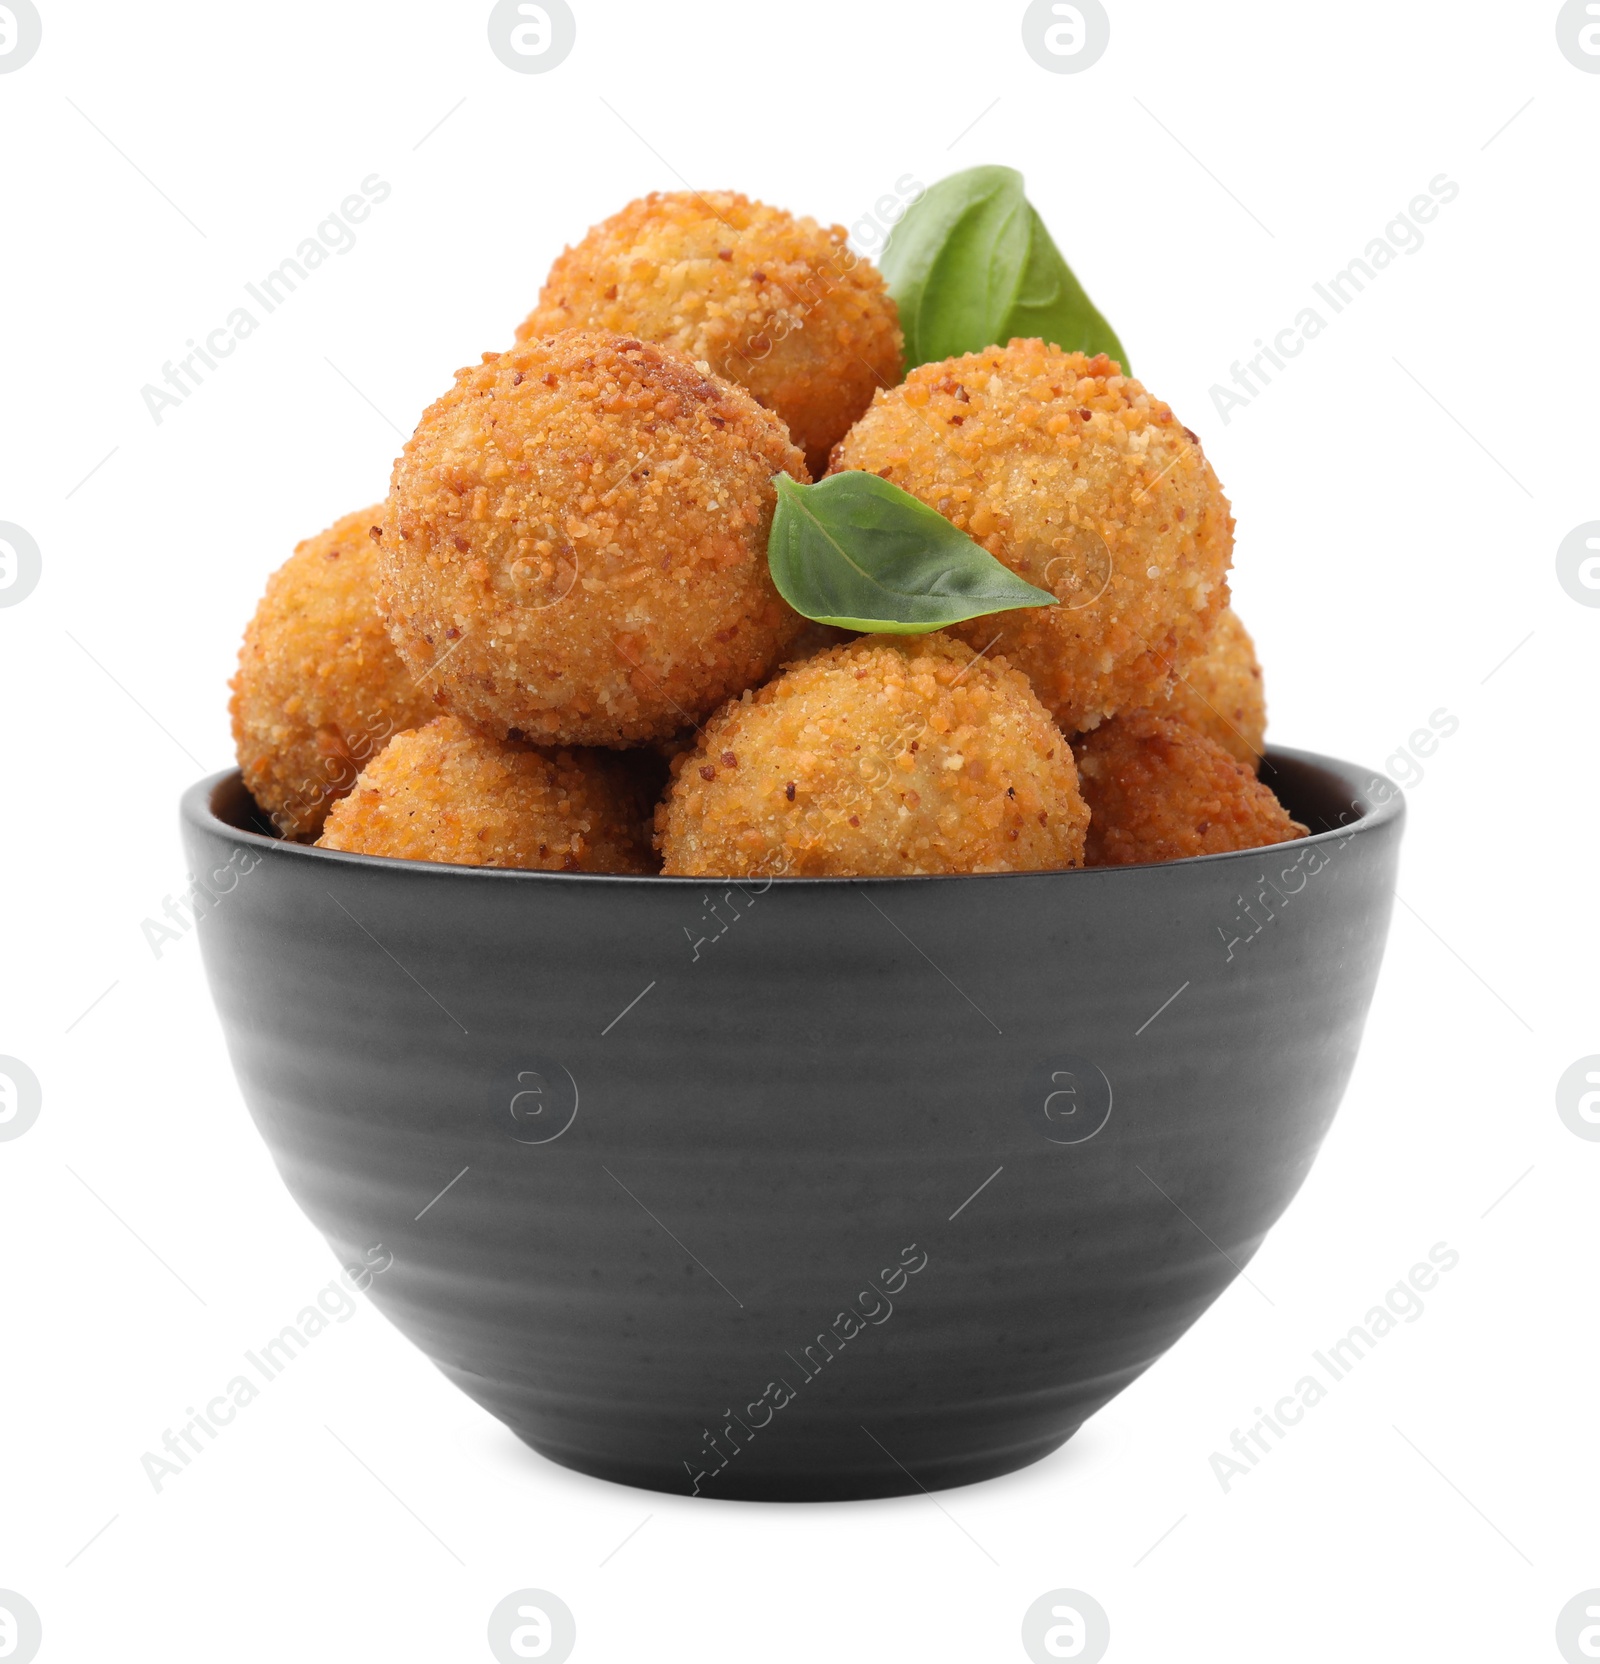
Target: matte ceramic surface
(808, 1189)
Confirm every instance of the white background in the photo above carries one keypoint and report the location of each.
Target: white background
(1400, 494)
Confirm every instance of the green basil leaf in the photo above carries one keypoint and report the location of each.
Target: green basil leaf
(971, 265)
(857, 552)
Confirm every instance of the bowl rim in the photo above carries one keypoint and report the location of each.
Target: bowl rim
(1371, 812)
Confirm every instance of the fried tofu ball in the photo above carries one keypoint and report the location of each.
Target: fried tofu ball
(575, 543)
(1221, 692)
(320, 688)
(1159, 790)
(449, 792)
(889, 755)
(1072, 475)
(778, 304)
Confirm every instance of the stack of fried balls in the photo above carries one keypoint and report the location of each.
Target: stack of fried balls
(558, 646)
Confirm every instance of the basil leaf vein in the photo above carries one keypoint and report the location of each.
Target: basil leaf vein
(972, 265)
(859, 553)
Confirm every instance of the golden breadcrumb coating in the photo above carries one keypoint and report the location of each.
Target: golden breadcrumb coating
(449, 792)
(575, 543)
(1158, 790)
(1077, 479)
(812, 639)
(889, 755)
(1221, 692)
(778, 304)
(320, 688)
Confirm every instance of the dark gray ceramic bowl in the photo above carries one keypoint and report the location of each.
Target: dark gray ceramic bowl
(814, 1189)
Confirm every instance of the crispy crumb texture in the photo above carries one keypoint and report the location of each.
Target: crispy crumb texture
(888, 755)
(1073, 476)
(1221, 692)
(575, 544)
(779, 304)
(449, 792)
(320, 688)
(1159, 790)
